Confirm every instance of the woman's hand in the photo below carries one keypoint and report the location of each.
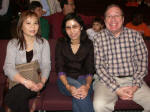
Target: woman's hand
(83, 91)
(30, 85)
(74, 91)
(40, 85)
(79, 93)
(37, 87)
(33, 86)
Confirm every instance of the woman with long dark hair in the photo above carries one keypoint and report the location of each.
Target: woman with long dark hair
(75, 63)
(27, 47)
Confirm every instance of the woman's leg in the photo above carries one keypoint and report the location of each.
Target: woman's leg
(62, 88)
(78, 105)
(17, 98)
(86, 104)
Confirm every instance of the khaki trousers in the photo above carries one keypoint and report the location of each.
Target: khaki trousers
(105, 99)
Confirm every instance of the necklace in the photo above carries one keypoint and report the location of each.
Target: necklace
(74, 42)
(75, 47)
(29, 44)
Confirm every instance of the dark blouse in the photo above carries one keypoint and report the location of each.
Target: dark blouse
(74, 65)
(29, 55)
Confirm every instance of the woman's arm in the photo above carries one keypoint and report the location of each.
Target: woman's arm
(9, 66)
(59, 59)
(83, 90)
(27, 83)
(89, 67)
(64, 81)
(72, 89)
(88, 81)
(89, 61)
(46, 62)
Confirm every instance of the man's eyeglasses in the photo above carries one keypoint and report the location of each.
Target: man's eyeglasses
(115, 16)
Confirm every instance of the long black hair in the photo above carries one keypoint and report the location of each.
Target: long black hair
(78, 19)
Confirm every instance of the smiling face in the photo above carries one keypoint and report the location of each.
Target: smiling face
(73, 29)
(114, 20)
(30, 26)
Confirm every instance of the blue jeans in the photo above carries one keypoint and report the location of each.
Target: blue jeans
(78, 105)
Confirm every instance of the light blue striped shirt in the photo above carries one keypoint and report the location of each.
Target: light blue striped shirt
(46, 7)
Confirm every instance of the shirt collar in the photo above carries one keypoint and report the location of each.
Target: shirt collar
(111, 34)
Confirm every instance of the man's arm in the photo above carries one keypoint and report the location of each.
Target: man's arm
(141, 61)
(101, 65)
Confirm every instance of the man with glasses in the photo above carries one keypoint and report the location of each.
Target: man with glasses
(121, 61)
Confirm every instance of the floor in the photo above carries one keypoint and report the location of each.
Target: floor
(114, 111)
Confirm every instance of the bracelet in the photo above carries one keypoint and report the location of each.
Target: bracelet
(25, 81)
(43, 83)
(67, 85)
(87, 85)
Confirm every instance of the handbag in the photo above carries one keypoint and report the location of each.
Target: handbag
(30, 71)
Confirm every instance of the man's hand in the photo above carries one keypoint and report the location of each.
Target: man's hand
(134, 89)
(43, 11)
(125, 93)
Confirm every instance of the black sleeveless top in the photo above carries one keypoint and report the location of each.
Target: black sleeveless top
(29, 56)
